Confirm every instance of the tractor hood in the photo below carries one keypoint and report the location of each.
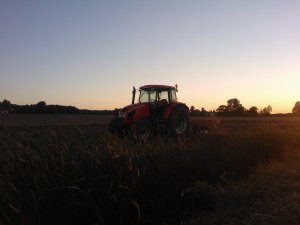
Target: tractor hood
(130, 108)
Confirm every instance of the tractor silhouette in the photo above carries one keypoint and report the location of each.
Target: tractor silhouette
(157, 111)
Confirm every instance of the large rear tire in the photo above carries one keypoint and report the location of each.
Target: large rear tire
(142, 129)
(179, 122)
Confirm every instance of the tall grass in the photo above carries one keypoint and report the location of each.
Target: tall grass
(271, 196)
(68, 177)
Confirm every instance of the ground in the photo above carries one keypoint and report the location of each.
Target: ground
(270, 196)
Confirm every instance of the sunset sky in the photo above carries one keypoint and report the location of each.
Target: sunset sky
(90, 53)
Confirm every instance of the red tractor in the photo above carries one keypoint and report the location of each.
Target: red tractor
(157, 111)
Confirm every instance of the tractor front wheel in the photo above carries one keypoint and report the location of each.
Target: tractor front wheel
(179, 122)
(142, 129)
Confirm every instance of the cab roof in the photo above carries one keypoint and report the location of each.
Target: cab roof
(154, 86)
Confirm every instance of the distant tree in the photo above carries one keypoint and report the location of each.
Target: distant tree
(197, 112)
(222, 109)
(296, 109)
(5, 103)
(192, 110)
(233, 104)
(239, 111)
(72, 110)
(266, 111)
(203, 111)
(51, 109)
(41, 107)
(59, 109)
(253, 111)
(233, 108)
(26, 109)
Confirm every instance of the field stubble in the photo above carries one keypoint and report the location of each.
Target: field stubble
(79, 174)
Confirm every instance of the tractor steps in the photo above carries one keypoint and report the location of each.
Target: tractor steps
(160, 125)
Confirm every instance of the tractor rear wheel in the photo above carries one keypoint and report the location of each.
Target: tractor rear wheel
(142, 129)
(179, 122)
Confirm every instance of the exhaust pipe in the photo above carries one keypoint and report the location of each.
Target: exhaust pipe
(133, 95)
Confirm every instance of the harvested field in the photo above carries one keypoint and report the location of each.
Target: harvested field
(244, 123)
(66, 169)
(16, 120)
(225, 123)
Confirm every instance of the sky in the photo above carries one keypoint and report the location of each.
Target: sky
(89, 54)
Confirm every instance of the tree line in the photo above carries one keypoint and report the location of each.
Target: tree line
(235, 108)
(42, 108)
(232, 108)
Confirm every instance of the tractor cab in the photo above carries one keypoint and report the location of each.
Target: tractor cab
(160, 98)
(156, 94)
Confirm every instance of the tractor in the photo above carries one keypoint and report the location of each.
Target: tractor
(157, 111)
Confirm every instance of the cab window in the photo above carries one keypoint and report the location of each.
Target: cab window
(163, 96)
(173, 96)
(147, 96)
(144, 97)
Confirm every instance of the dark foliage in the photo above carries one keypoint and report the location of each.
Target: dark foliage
(296, 109)
(42, 108)
(232, 108)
